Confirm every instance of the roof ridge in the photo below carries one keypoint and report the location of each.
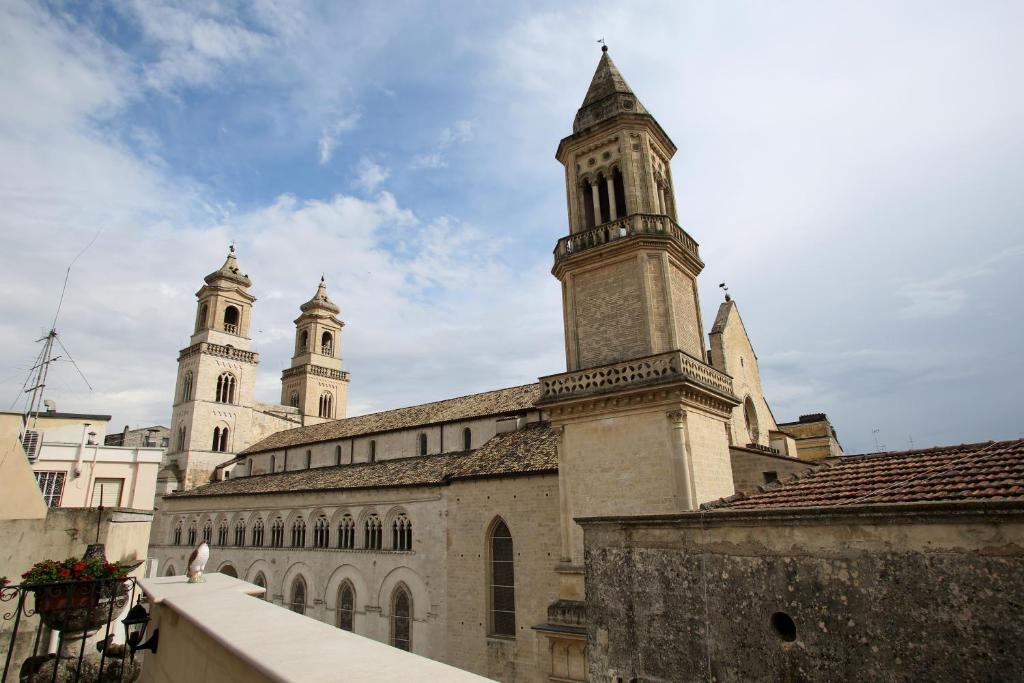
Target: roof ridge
(976, 445)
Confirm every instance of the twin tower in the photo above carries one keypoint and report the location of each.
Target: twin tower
(215, 413)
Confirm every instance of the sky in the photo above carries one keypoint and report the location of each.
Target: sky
(853, 171)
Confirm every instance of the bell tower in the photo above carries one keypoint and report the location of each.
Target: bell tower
(642, 417)
(315, 382)
(210, 418)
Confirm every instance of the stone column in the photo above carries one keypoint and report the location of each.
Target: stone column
(682, 465)
(612, 214)
(595, 193)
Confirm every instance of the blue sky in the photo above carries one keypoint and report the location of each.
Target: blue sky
(853, 172)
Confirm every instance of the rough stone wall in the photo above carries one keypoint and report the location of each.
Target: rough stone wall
(529, 506)
(896, 597)
(610, 316)
(749, 467)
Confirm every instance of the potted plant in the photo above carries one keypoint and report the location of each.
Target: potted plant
(75, 595)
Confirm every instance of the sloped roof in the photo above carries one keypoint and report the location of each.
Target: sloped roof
(498, 402)
(988, 471)
(604, 96)
(320, 300)
(531, 450)
(229, 271)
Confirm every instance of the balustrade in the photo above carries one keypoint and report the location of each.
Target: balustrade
(629, 226)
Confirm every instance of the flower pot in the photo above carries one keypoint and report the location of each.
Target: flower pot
(79, 610)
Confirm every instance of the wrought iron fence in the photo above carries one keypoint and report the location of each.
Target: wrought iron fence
(76, 611)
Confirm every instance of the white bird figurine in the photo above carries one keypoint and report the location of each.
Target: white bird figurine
(197, 562)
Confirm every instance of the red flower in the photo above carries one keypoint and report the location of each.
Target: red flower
(64, 573)
(79, 566)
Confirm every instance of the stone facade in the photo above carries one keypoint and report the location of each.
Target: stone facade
(815, 437)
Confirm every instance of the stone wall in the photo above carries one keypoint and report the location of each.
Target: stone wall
(751, 469)
(929, 594)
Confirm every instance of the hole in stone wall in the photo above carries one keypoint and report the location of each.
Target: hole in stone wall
(784, 626)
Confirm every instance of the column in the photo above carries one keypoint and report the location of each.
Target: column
(682, 467)
(612, 213)
(595, 194)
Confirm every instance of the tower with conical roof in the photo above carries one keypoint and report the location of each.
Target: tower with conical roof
(643, 418)
(315, 382)
(211, 414)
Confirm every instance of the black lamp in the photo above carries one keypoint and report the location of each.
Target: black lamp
(135, 624)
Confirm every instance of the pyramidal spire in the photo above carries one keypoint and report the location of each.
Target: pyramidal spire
(607, 96)
(229, 271)
(321, 300)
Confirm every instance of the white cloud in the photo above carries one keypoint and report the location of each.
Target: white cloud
(432, 160)
(329, 135)
(370, 175)
(458, 133)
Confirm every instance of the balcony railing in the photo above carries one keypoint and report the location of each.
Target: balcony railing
(328, 373)
(77, 610)
(219, 350)
(658, 369)
(630, 226)
(230, 328)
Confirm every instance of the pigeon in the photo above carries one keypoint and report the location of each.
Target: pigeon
(197, 562)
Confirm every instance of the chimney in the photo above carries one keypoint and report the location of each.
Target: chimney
(51, 405)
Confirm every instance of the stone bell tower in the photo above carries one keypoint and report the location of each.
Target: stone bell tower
(643, 418)
(210, 418)
(315, 382)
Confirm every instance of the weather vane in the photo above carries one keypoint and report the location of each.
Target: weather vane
(725, 288)
(604, 45)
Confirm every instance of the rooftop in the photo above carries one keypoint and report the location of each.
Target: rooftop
(531, 450)
(497, 402)
(988, 471)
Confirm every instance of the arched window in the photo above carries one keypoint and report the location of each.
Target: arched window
(423, 443)
(181, 438)
(298, 602)
(401, 533)
(327, 344)
(202, 317)
(273, 463)
(261, 581)
(220, 439)
(299, 533)
(229, 570)
(309, 458)
(401, 618)
(750, 417)
(277, 533)
(326, 405)
(346, 606)
(186, 387)
(372, 455)
(337, 455)
(587, 196)
(192, 533)
(257, 533)
(322, 533)
(222, 533)
(293, 401)
(177, 534)
(373, 533)
(467, 439)
(239, 532)
(208, 532)
(302, 343)
(502, 582)
(231, 317)
(347, 533)
(170, 571)
(225, 388)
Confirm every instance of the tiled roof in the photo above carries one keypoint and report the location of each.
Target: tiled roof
(993, 470)
(529, 450)
(498, 402)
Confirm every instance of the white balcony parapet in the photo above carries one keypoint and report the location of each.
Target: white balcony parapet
(219, 631)
(657, 369)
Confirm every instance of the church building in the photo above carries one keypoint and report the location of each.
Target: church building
(448, 528)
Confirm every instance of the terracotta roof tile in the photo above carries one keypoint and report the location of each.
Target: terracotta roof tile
(992, 470)
(530, 450)
(498, 402)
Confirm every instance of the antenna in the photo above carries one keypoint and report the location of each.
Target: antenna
(874, 433)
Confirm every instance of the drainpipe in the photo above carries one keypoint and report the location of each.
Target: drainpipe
(81, 450)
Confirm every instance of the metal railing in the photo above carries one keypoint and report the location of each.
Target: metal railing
(76, 611)
(629, 226)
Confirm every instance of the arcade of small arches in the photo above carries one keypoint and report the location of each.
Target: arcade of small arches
(326, 347)
(602, 197)
(230, 323)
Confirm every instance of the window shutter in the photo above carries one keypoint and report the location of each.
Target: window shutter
(107, 492)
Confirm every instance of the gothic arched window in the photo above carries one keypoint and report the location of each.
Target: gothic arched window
(327, 344)
(302, 344)
(170, 571)
(346, 606)
(326, 405)
(181, 438)
(208, 532)
(401, 533)
(257, 533)
(299, 533)
(467, 439)
(322, 533)
(222, 533)
(231, 317)
(239, 532)
(293, 400)
(347, 533)
(261, 581)
(502, 581)
(298, 602)
(177, 534)
(602, 197)
(220, 439)
(186, 387)
(277, 533)
(401, 618)
(192, 533)
(225, 388)
(373, 533)
(620, 193)
(423, 443)
(273, 463)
